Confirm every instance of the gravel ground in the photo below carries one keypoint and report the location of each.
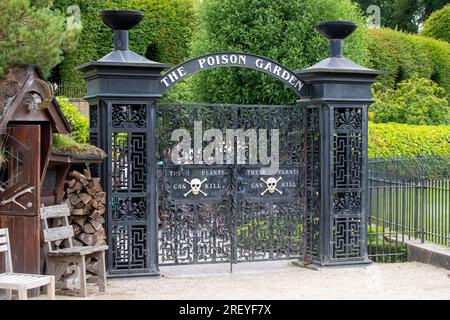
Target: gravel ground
(282, 280)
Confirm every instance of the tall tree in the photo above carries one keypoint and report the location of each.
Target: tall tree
(406, 15)
(438, 25)
(32, 33)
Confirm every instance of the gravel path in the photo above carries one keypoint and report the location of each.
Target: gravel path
(282, 280)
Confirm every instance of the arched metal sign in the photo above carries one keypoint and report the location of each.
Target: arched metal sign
(231, 59)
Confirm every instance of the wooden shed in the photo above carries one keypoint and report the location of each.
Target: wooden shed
(31, 174)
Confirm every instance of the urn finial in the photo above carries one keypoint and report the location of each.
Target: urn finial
(336, 32)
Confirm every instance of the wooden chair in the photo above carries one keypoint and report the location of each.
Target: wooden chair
(21, 281)
(58, 260)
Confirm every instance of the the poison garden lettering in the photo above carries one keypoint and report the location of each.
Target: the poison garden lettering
(231, 60)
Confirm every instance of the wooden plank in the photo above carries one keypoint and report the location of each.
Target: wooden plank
(22, 294)
(46, 147)
(57, 211)
(101, 272)
(78, 251)
(3, 247)
(51, 288)
(61, 175)
(33, 250)
(26, 139)
(83, 286)
(3, 240)
(3, 232)
(59, 233)
(19, 244)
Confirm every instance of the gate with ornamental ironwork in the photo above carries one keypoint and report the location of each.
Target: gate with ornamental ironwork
(164, 212)
(234, 211)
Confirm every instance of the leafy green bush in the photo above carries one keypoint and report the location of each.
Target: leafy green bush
(402, 55)
(390, 140)
(414, 101)
(32, 35)
(78, 122)
(281, 30)
(437, 26)
(163, 35)
(381, 248)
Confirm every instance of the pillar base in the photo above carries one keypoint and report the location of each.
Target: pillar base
(138, 274)
(362, 261)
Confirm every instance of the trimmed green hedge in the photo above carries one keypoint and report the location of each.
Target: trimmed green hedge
(389, 140)
(402, 55)
(164, 34)
(437, 26)
(281, 30)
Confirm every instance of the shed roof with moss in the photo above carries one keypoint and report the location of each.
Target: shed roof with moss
(25, 96)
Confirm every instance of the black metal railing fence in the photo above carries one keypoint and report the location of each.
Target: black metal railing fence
(409, 199)
(71, 90)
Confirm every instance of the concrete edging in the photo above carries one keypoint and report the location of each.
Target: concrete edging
(432, 254)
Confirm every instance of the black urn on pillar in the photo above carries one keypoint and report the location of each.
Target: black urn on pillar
(123, 88)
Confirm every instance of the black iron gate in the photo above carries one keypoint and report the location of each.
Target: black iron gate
(230, 212)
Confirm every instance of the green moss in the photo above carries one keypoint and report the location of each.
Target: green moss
(67, 144)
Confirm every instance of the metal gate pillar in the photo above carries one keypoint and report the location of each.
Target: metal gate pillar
(337, 94)
(123, 88)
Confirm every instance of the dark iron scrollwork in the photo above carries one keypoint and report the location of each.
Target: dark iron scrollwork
(93, 116)
(239, 221)
(129, 250)
(347, 118)
(347, 177)
(129, 116)
(347, 203)
(128, 209)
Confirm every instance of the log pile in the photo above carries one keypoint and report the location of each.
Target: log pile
(87, 208)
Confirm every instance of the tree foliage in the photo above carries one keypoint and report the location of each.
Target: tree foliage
(405, 15)
(415, 101)
(32, 34)
(163, 35)
(437, 26)
(281, 30)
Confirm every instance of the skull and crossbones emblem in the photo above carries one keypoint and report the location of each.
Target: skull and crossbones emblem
(196, 185)
(271, 185)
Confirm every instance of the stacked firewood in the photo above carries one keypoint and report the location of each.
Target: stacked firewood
(87, 208)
